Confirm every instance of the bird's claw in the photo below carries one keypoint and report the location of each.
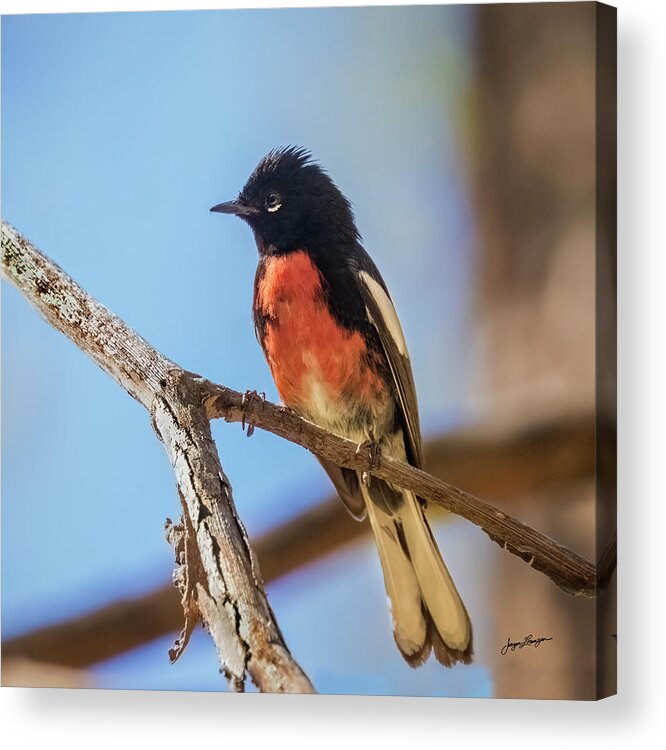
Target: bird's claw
(249, 397)
(374, 455)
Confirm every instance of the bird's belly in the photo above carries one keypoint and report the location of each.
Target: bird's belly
(323, 371)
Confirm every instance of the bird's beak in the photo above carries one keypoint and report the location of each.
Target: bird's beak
(235, 208)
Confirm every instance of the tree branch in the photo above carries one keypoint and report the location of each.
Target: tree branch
(181, 405)
(225, 588)
(567, 569)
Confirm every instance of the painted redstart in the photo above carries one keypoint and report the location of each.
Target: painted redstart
(337, 353)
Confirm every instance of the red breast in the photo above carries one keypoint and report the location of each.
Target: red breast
(306, 348)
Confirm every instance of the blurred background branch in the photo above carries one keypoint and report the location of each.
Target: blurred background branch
(509, 458)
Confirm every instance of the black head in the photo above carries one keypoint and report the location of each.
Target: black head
(291, 203)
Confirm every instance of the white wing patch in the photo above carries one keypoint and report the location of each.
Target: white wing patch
(387, 310)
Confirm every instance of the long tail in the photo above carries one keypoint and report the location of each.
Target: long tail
(427, 610)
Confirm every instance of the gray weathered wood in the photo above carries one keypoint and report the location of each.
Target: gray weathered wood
(222, 580)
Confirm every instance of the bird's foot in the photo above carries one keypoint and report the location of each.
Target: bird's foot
(374, 455)
(250, 397)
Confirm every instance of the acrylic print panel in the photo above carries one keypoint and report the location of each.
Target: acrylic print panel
(476, 145)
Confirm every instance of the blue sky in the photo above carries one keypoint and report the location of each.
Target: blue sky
(118, 133)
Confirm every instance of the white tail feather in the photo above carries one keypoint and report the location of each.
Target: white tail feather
(402, 587)
(437, 588)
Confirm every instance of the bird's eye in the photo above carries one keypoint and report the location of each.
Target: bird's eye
(273, 201)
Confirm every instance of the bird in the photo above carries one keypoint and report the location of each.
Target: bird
(334, 345)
